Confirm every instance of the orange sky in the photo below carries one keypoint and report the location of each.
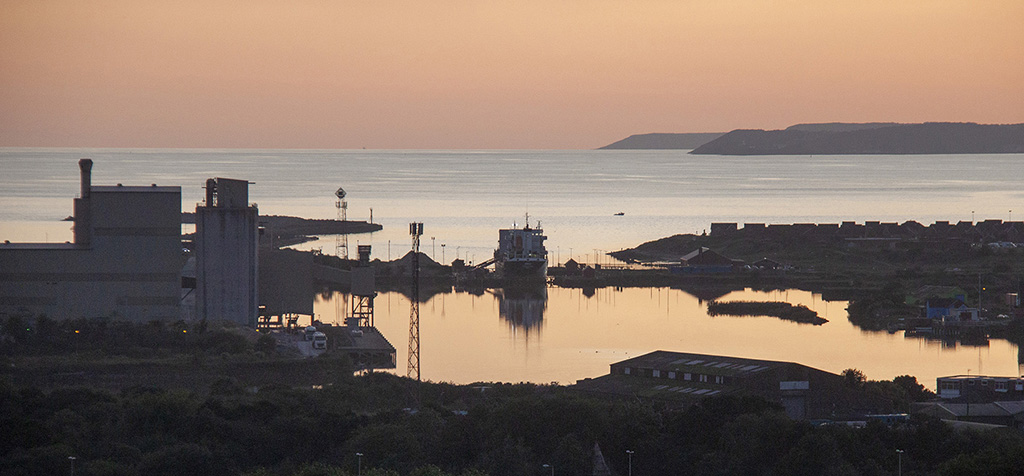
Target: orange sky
(492, 74)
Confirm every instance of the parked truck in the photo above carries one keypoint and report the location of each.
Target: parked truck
(320, 340)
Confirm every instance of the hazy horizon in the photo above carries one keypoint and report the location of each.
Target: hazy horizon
(459, 74)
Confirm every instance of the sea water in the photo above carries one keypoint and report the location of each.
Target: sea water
(464, 197)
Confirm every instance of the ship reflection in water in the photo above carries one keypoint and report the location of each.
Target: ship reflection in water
(552, 334)
(522, 307)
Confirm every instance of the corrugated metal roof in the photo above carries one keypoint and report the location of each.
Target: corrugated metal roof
(699, 363)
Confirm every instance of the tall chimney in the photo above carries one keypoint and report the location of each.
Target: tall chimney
(86, 166)
(83, 207)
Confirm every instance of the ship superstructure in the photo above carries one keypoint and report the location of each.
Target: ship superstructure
(521, 252)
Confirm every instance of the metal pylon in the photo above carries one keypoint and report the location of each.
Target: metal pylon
(415, 229)
(341, 239)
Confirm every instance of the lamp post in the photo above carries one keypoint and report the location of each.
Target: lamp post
(899, 462)
(442, 253)
(433, 249)
(72, 460)
(552, 468)
(629, 454)
(359, 464)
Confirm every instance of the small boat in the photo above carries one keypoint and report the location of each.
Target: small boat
(620, 214)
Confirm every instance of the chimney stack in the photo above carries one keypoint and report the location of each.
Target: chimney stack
(86, 166)
(83, 207)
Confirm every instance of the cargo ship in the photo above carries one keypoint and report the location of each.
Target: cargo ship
(521, 253)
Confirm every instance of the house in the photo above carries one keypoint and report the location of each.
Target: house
(949, 310)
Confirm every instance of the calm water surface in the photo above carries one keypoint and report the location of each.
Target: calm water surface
(463, 197)
(466, 338)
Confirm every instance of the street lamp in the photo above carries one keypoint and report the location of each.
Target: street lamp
(433, 249)
(72, 460)
(442, 253)
(552, 468)
(359, 464)
(899, 462)
(629, 454)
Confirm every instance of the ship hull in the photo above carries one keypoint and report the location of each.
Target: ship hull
(529, 269)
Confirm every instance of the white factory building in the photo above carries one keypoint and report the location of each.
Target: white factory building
(125, 261)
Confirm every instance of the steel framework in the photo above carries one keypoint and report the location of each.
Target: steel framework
(416, 230)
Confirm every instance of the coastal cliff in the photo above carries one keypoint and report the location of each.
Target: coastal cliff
(873, 138)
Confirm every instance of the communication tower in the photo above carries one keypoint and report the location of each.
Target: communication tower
(415, 229)
(341, 242)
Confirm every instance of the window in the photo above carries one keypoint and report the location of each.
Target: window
(719, 379)
(703, 378)
(656, 373)
(672, 375)
(687, 376)
(626, 371)
(984, 383)
(1001, 386)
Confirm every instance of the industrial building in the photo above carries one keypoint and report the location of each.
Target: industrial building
(125, 261)
(980, 388)
(226, 246)
(676, 378)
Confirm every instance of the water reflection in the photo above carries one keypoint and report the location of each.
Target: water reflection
(561, 335)
(522, 307)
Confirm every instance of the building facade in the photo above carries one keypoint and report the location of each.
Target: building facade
(125, 261)
(980, 388)
(226, 247)
(804, 392)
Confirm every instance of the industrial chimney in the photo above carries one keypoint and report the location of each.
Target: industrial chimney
(83, 208)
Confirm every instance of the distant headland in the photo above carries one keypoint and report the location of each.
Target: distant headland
(845, 138)
(665, 141)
